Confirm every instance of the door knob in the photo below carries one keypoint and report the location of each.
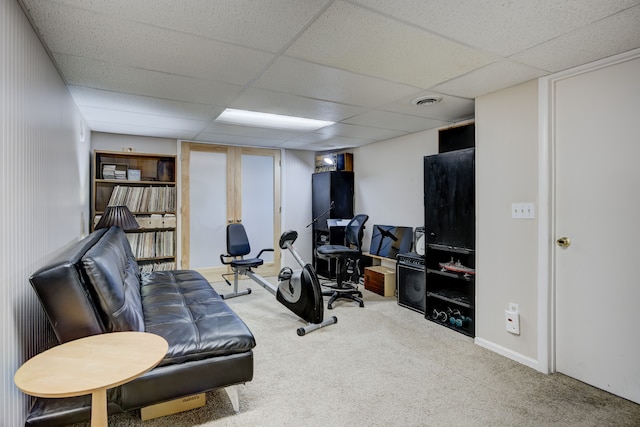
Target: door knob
(564, 242)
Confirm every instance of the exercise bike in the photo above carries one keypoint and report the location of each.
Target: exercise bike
(297, 290)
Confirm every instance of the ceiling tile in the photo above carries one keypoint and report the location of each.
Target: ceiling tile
(103, 75)
(326, 143)
(266, 24)
(340, 142)
(101, 37)
(249, 131)
(218, 138)
(128, 129)
(93, 114)
(90, 97)
(297, 145)
(355, 39)
(360, 132)
(267, 101)
(489, 79)
(616, 34)
(309, 138)
(395, 121)
(305, 79)
(503, 27)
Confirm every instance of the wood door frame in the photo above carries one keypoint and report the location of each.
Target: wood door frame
(234, 177)
(546, 204)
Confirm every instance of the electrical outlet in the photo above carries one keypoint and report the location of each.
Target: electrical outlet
(512, 321)
(523, 211)
(514, 308)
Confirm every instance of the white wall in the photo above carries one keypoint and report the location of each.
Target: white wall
(139, 144)
(506, 258)
(389, 180)
(44, 189)
(297, 167)
(389, 188)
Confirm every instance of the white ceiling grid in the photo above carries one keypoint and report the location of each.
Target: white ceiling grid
(168, 68)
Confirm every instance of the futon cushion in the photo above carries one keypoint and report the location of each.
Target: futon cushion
(183, 308)
(114, 276)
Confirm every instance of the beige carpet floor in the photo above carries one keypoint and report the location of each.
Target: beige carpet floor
(385, 365)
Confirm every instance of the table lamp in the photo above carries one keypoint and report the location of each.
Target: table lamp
(119, 216)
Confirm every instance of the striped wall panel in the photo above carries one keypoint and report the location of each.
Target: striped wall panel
(43, 192)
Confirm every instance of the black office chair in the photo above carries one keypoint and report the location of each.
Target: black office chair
(237, 248)
(347, 258)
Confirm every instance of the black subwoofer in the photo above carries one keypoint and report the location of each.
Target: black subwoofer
(411, 282)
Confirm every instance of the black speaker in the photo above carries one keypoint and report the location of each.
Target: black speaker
(412, 286)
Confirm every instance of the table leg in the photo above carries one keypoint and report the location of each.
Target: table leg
(99, 408)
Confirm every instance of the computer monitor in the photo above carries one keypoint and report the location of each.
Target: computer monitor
(389, 240)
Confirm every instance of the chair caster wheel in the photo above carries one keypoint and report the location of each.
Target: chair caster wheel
(329, 307)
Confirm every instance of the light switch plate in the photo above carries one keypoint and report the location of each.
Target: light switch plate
(523, 210)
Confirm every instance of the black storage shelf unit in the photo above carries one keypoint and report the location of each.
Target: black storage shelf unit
(450, 275)
(332, 198)
(450, 234)
(452, 297)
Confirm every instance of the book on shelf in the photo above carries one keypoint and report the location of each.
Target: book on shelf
(144, 199)
(152, 244)
(114, 171)
(108, 171)
(167, 220)
(157, 266)
(133, 175)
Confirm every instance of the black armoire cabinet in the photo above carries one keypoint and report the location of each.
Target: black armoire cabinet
(332, 198)
(449, 195)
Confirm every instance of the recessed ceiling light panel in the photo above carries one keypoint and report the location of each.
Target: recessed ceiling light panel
(267, 120)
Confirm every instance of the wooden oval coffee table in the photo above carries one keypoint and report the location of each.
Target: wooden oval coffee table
(91, 365)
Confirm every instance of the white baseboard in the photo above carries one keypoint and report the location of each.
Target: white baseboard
(532, 363)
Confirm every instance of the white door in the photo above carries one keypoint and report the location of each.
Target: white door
(597, 191)
(223, 185)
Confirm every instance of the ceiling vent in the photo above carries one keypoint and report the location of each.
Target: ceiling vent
(426, 100)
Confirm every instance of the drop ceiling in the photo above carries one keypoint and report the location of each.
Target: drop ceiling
(168, 68)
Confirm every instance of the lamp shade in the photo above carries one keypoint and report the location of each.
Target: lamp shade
(119, 216)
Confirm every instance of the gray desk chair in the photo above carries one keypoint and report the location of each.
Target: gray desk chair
(347, 258)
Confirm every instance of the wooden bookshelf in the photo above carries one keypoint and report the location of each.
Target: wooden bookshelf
(146, 184)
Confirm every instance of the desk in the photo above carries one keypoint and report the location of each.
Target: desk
(380, 260)
(91, 365)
